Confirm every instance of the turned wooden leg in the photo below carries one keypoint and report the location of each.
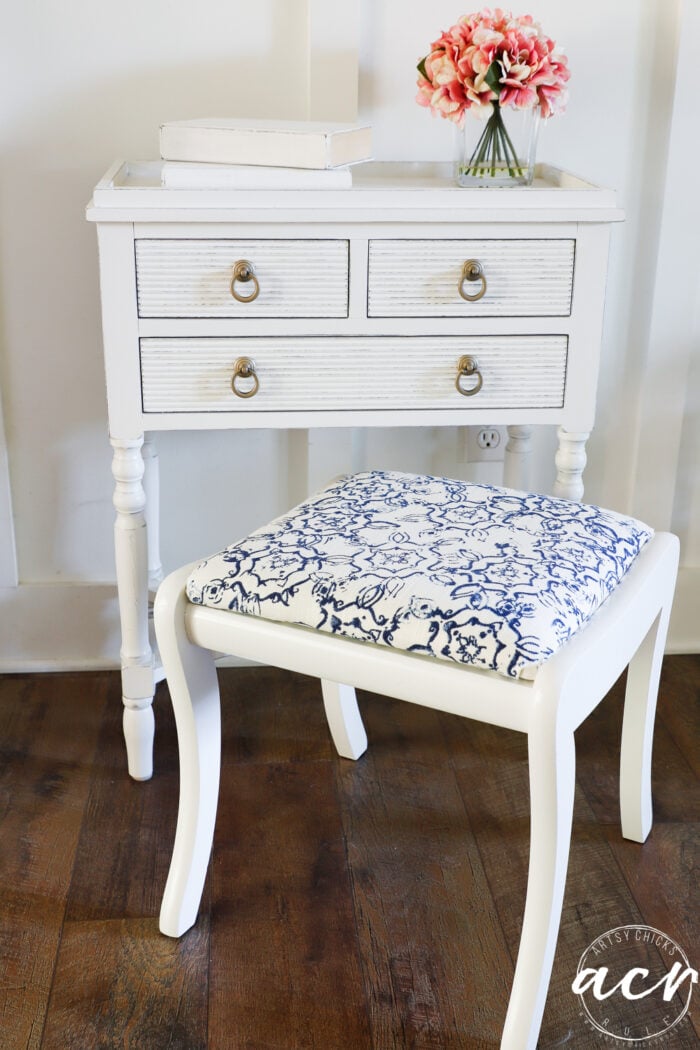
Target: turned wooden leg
(570, 460)
(552, 767)
(344, 719)
(131, 554)
(517, 461)
(151, 488)
(194, 692)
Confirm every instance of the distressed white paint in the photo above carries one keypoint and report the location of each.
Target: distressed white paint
(193, 278)
(423, 278)
(347, 373)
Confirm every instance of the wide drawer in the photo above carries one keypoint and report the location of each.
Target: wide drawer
(296, 374)
(290, 278)
(422, 278)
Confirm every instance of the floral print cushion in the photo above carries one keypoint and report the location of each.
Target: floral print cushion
(484, 576)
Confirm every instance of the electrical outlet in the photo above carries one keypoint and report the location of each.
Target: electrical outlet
(485, 444)
(488, 437)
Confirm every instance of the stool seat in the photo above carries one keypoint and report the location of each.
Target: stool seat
(419, 588)
(471, 573)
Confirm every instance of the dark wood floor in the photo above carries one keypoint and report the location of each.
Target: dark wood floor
(350, 906)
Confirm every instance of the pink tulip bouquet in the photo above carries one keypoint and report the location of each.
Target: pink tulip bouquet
(486, 63)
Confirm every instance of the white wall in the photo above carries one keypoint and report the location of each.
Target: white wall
(84, 83)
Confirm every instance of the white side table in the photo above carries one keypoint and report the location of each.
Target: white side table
(402, 301)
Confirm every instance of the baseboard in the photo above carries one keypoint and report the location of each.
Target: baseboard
(59, 627)
(75, 626)
(63, 627)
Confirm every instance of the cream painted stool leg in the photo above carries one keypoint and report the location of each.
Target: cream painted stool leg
(194, 693)
(344, 719)
(570, 460)
(552, 765)
(131, 555)
(638, 731)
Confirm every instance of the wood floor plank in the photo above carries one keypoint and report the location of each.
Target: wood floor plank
(663, 879)
(272, 716)
(662, 874)
(284, 954)
(124, 850)
(679, 705)
(49, 726)
(284, 969)
(118, 981)
(673, 782)
(434, 958)
(492, 769)
(354, 906)
(122, 984)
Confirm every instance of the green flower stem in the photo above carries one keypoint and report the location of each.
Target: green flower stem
(508, 145)
(494, 151)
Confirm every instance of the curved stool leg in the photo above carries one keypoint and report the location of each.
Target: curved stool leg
(638, 733)
(552, 764)
(640, 701)
(194, 692)
(344, 719)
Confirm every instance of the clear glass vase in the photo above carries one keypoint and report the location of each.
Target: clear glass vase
(498, 151)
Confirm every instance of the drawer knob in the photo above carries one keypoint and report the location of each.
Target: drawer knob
(244, 369)
(243, 272)
(468, 369)
(472, 271)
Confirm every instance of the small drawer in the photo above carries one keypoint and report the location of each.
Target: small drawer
(513, 278)
(242, 278)
(352, 373)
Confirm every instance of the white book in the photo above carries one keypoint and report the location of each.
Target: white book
(275, 143)
(181, 175)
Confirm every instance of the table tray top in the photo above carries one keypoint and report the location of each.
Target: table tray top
(135, 189)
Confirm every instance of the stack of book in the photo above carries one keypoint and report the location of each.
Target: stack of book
(262, 154)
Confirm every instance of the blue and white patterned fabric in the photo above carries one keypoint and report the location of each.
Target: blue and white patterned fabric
(483, 576)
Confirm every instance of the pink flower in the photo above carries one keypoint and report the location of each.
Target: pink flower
(491, 57)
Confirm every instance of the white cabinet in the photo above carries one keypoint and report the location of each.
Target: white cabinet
(403, 301)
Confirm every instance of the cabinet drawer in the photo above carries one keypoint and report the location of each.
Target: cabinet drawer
(193, 278)
(320, 373)
(422, 278)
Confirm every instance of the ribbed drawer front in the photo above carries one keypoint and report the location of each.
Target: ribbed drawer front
(295, 374)
(192, 278)
(524, 278)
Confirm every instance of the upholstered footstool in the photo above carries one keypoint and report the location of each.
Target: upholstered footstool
(516, 609)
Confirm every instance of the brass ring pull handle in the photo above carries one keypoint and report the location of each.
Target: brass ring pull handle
(468, 368)
(243, 271)
(244, 369)
(472, 271)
